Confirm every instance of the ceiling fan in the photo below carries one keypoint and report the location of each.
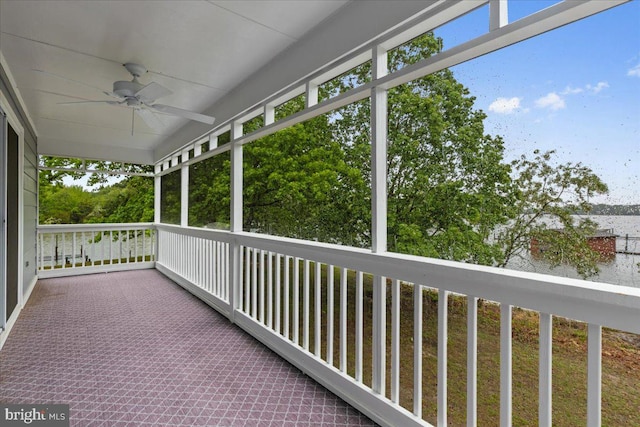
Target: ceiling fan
(141, 99)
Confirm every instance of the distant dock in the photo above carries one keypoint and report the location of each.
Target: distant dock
(633, 249)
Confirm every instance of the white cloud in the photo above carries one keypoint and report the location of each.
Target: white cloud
(571, 91)
(505, 105)
(598, 87)
(634, 72)
(552, 100)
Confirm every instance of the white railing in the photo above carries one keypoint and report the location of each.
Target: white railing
(327, 309)
(197, 259)
(65, 250)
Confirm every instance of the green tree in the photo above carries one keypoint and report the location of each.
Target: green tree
(553, 193)
(448, 185)
(60, 204)
(209, 192)
(130, 200)
(298, 184)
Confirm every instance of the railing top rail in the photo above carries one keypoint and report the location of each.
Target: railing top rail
(205, 233)
(63, 228)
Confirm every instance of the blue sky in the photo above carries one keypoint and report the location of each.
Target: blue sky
(575, 89)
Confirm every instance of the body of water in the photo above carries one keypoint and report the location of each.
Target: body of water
(622, 270)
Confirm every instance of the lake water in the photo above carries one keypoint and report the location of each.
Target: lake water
(621, 270)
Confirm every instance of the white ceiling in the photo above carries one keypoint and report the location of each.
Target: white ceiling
(62, 51)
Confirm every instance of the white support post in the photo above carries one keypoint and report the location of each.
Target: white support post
(184, 191)
(379, 154)
(379, 214)
(157, 190)
(235, 215)
(197, 149)
(236, 178)
(498, 15)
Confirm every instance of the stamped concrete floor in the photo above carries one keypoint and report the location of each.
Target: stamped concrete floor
(135, 349)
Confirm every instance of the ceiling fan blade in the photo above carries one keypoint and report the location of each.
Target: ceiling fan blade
(150, 119)
(90, 102)
(113, 95)
(151, 92)
(183, 113)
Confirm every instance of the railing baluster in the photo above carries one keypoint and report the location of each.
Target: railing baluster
(417, 350)
(472, 361)
(286, 296)
(296, 300)
(226, 266)
(63, 260)
(219, 249)
(41, 251)
(305, 307)
(278, 293)
(443, 298)
(545, 368)
(221, 269)
(505, 365)
(213, 262)
(343, 320)
(317, 299)
(262, 273)
(83, 247)
(247, 279)
(359, 302)
(254, 284)
(379, 347)
(330, 319)
(203, 263)
(395, 341)
(270, 289)
(594, 375)
(73, 249)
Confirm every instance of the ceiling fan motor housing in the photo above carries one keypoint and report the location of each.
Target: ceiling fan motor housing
(127, 88)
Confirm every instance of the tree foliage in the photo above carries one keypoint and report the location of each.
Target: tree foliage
(548, 194)
(130, 200)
